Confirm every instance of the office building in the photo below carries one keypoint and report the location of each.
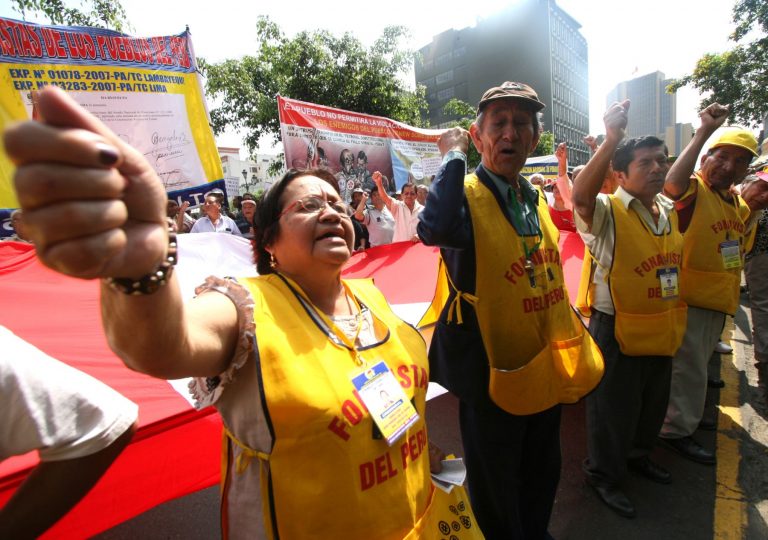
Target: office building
(677, 137)
(251, 174)
(653, 110)
(530, 41)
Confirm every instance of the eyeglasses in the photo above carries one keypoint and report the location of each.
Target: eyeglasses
(312, 204)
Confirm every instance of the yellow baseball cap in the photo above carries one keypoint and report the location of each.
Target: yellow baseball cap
(737, 137)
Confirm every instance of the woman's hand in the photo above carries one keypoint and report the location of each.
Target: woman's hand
(93, 205)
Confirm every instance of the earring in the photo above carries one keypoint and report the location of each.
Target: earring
(272, 261)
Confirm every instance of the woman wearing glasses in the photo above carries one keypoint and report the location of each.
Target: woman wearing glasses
(295, 360)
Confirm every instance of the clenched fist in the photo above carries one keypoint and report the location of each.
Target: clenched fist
(93, 205)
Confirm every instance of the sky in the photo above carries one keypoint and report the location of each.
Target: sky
(625, 38)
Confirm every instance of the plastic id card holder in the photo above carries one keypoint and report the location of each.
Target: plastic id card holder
(668, 283)
(730, 251)
(388, 405)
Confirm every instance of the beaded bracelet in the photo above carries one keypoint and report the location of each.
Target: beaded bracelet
(151, 282)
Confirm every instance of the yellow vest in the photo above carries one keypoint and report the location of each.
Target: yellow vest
(645, 324)
(538, 350)
(705, 282)
(586, 294)
(327, 476)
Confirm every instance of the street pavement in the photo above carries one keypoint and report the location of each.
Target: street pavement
(728, 501)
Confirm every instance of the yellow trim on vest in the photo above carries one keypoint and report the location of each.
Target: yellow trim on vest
(246, 453)
(455, 306)
(439, 298)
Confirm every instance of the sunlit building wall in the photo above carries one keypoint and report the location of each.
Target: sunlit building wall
(530, 41)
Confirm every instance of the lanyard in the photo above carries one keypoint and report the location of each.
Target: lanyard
(519, 222)
(330, 325)
(734, 202)
(664, 234)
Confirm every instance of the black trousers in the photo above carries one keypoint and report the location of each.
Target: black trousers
(626, 410)
(513, 468)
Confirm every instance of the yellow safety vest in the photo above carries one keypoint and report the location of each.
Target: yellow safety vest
(705, 282)
(538, 351)
(646, 324)
(327, 476)
(586, 294)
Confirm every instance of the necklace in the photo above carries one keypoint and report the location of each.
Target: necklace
(334, 332)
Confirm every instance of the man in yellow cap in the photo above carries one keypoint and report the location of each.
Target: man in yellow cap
(714, 221)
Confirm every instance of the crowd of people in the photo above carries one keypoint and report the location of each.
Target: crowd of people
(290, 358)
(378, 218)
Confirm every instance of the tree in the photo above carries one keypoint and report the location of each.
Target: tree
(546, 144)
(316, 67)
(466, 114)
(738, 77)
(102, 13)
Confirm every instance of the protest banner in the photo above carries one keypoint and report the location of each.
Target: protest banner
(147, 90)
(354, 145)
(544, 165)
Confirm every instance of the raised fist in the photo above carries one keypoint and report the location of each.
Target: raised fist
(453, 139)
(714, 116)
(93, 205)
(616, 118)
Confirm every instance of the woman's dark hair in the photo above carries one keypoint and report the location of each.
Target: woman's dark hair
(267, 218)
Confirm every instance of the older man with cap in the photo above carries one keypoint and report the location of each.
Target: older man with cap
(506, 341)
(714, 221)
(244, 221)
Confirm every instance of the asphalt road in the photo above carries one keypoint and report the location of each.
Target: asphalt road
(724, 502)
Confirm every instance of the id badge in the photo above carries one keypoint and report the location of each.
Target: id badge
(730, 251)
(668, 283)
(388, 405)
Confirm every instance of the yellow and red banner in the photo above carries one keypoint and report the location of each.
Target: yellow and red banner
(147, 90)
(171, 430)
(354, 145)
